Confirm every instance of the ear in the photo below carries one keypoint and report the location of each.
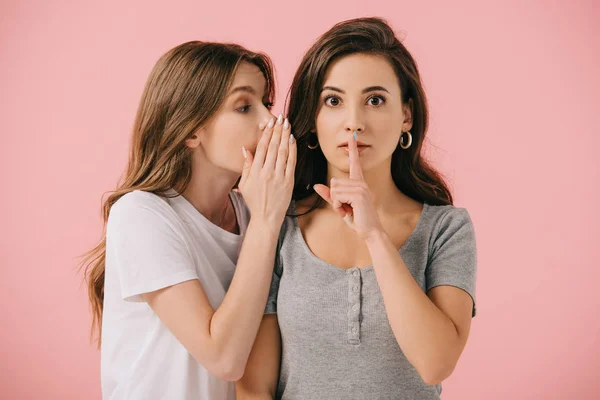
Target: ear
(407, 110)
(194, 141)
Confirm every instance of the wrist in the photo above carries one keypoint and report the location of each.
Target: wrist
(375, 238)
(266, 228)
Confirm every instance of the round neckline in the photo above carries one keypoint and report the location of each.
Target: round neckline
(307, 249)
(193, 213)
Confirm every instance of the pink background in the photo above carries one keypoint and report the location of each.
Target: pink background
(513, 89)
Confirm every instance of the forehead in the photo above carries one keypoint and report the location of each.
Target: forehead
(248, 74)
(357, 71)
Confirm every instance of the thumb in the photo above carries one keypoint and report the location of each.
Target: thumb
(246, 169)
(325, 193)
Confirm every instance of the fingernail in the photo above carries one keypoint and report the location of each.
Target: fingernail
(244, 152)
(261, 126)
(280, 119)
(286, 124)
(271, 123)
(354, 136)
(291, 139)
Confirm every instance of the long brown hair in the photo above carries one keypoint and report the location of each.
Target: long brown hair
(410, 171)
(186, 87)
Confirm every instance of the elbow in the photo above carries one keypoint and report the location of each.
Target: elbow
(432, 379)
(435, 372)
(231, 373)
(224, 367)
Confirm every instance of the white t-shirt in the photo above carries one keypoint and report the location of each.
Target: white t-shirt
(151, 243)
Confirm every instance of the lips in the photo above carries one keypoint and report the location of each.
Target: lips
(361, 148)
(359, 144)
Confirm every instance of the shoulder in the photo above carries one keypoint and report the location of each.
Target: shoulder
(139, 199)
(140, 206)
(449, 225)
(444, 217)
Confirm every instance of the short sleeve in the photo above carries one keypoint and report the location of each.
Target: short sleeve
(146, 251)
(453, 259)
(271, 307)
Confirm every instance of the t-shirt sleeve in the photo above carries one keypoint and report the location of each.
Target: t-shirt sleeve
(148, 254)
(453, 260)
(271, 307)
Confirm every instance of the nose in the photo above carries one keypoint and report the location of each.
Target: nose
(266, 114)
(354, 121)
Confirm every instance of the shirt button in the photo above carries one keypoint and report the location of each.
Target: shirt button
(355, 273)
(353, 330)
(355, 288)
(355, 307)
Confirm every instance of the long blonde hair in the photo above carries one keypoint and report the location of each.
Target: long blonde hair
(185, 88)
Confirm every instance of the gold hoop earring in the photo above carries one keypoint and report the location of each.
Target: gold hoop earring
(313, 147)
(406, 146)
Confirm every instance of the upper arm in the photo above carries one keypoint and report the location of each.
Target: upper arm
(451, 272)
(453, 258)
(262, 370)
(147, 252)
(457, 305)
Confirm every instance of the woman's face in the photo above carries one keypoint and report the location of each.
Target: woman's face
(361, 93)
(235, 124)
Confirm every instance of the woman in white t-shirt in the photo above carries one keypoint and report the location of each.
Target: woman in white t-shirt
(176, 308)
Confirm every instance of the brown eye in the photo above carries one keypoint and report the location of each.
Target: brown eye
(376, 101)
(332, 101)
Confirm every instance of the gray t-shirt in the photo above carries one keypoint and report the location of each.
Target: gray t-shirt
(337, 342)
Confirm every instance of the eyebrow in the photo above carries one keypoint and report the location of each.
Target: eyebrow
(247, 89)
(365, 90)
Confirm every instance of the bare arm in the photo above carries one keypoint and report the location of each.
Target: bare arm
(439, 321)
(262, 371)
(221, 339)
(431, 329)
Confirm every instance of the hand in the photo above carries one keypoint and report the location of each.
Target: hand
(268, 175)
(351, 197)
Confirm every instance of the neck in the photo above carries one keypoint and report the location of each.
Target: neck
(208, 190)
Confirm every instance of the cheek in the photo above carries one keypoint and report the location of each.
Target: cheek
(386, 127)
(237, 132)
(328, 126)
(386, 121)
(219, 141)
(387, 138)
(326, 118)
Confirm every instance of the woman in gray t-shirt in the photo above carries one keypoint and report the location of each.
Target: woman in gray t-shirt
(374, 283)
